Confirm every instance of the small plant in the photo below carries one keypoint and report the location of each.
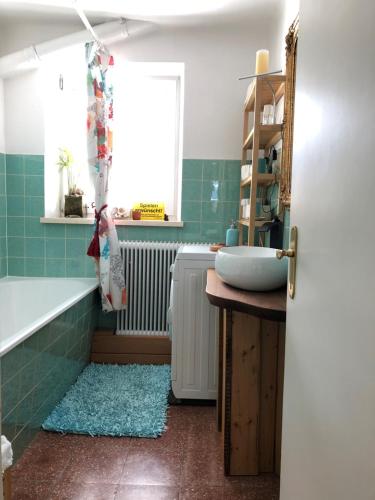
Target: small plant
(66, 162)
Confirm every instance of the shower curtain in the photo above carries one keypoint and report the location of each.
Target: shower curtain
(104, 247)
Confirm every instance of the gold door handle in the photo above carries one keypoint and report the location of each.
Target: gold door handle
(284, 253)
(292, 254)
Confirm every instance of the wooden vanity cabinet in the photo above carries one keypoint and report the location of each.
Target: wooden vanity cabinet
(251, 372)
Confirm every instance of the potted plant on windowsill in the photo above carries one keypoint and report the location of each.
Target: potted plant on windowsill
(73, 200)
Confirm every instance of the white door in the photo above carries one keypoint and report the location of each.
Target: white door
(328, 449)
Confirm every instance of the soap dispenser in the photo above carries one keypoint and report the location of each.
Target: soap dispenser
(231, 239)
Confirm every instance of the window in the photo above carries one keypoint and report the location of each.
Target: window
(147, 142)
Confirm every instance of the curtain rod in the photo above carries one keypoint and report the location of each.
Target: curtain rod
(87, 24)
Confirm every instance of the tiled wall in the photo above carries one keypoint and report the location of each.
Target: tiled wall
(36, 374)
(3, 220)
(210, 192)
(286, 228)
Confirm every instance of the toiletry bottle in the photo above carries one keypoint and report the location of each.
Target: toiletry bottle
(232, 235)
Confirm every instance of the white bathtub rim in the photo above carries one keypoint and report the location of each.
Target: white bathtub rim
(9, 344)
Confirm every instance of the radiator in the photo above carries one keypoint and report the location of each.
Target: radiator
(148, 283)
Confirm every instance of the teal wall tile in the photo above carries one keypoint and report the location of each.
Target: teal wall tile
(55, 268)
(55, 248)
(192, 190)
(191, 232)
(34, 247)
(232, 171)
(3, 204)
(3, 225)
(75, 267)
(55, 230)
(34, 228)
(34, 185)
(212, 211)
(286, 233)
(16, 266)
(2, 163)
(192, 169)
(230, 212)
(15, 185)
(15, 205)
(16, 226)
(2, 184)
(75, 248)
(15, 164)
(213, 232)
(16, 246)
(191, 211)
(213, 169)
(78, 231)
(231, 191)
(34, 165)
(34, 206)
(210, 191)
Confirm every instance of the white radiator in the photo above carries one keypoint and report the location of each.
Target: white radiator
(148, 283)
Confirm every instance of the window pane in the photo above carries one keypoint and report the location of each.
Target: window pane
(145, 132)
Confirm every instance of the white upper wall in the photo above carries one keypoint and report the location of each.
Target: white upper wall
(290, 9)
(214, 58)
(17, 34)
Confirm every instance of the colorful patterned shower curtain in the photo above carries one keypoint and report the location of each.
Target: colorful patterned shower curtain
(104, 247)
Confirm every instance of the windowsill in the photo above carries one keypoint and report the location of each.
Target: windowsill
(118, 222)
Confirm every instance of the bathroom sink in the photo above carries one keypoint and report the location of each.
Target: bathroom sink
(251, 268)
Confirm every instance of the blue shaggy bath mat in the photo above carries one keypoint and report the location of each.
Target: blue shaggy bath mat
(115, 400)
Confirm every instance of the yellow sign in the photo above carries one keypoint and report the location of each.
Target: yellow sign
(150, 211)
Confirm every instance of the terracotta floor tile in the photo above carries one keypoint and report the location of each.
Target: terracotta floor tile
(152, 467)
(79, 491)
(173, 439)
(23, 489)
(203, 467)
(106, 468)
(131, 492)
(192, 413)
(204, 437)
(262, 487)
(42, 463)
(202, 493)
(186, 462)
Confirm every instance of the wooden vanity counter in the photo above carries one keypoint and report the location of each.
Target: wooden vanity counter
(251, 374)
(266, 305)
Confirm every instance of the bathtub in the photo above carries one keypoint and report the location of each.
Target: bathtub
(28, 304)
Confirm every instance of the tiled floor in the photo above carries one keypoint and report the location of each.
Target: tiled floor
(184, 464)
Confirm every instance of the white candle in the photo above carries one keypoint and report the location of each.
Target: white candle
(261, 61)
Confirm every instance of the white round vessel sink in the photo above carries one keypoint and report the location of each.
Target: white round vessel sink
(251, 268)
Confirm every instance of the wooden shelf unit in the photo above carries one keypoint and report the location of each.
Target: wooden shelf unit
(262, 179)
(256, 137)
(267, 134)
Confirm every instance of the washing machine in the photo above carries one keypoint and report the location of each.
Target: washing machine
(194, 325)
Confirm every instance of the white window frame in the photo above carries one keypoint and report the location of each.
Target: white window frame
(157, 70)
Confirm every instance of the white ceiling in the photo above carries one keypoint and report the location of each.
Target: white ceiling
(175, 12)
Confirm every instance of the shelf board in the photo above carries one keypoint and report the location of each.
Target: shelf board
(268, 135)
(261, 179)
(246, 222)
(278, 84)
